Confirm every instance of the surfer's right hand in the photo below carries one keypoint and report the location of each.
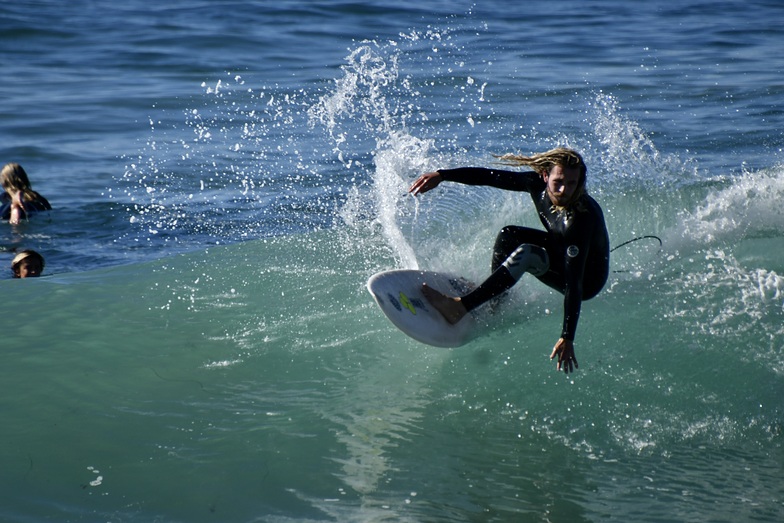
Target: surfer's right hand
(426, 182)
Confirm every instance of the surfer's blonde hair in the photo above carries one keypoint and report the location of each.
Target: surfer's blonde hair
(543, 163)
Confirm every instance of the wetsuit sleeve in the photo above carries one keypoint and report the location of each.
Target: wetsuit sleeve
(509, 180)
(576, 256)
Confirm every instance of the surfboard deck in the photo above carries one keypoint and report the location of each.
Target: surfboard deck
(399, 295)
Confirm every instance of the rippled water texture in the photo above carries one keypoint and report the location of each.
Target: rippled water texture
(226, 176)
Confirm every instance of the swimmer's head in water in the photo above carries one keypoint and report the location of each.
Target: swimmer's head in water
(27, 264)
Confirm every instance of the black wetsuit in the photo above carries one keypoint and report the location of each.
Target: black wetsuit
(39, 203)
(576, 242)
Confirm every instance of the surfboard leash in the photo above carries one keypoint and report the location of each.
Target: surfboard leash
(638, 238)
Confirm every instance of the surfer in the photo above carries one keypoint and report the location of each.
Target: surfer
(572, 254)
(19, 199)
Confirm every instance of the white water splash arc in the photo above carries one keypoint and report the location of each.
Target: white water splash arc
(359, 96)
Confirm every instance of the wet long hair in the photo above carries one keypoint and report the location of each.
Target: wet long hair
(542, 163)
(14, 179)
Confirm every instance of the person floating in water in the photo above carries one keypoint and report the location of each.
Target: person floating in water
(19, 199)
(27, 264)
(572, 254)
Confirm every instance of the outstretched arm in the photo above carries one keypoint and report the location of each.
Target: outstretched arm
(509, 180)
(574, 273)
(426, 182)
(564, 348)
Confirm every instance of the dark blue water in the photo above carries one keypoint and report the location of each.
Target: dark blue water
(225, 176)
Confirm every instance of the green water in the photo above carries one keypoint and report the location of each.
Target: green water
(242, 382)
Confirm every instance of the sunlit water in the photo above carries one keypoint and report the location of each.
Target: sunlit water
(226, 177)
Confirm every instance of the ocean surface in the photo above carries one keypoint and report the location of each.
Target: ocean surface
(225, 177)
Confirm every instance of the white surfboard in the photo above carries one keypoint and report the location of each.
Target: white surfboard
(399, 294)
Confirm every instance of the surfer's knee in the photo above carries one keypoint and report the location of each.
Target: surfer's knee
(505, 241)
(527, 258)
(507, 231)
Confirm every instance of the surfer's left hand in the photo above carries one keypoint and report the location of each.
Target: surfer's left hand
(564, 349)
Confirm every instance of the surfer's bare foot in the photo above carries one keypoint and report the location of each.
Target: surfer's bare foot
(451, 309)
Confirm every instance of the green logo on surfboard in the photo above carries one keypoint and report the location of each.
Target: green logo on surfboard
(405, 302)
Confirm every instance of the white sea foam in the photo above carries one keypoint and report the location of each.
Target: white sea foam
(749, 206)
